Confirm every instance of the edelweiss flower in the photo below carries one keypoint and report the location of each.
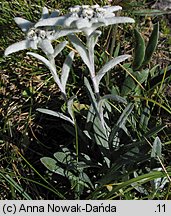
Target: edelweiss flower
(87, 18)
(35, 37)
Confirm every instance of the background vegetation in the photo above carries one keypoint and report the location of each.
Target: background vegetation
(27, 135)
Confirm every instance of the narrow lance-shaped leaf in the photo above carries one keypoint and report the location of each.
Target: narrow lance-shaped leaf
(51, 68)
(109, 65)
(117, 20)
(54, 21)
(91, 42)
(84, 177)
(46, 47)
(114, 8)
(124, 116)
(24, 44)
(159, 183)
(91, 96)
(56, 114)
(66, 68)
(54, 14)
(157, 148)
(101, 137)
(116, 98)
(24, 24)
(139, 50)
(121, 122)
(145, 117)
(100, 111)
(45, 13)
(152, 44)
(59, 48)
(81, 49)
(93, 38)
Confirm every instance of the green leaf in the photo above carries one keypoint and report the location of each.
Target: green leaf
(155, 130)
(116, 98)
(157, 148)
(159, 183)
(149, 12)
(102, 109)
(63, 157)
(84, 177)
(139, 50)
(145, 117)
(152, 44)
(152, 133)
(153, 71)
(51, 164)
(129, 84)
(116, 53)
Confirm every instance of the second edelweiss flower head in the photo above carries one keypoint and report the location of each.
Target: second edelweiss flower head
(87, 18)
(95, 11)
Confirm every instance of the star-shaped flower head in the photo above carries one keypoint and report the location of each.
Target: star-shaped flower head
(87, 18)
(37, 37)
